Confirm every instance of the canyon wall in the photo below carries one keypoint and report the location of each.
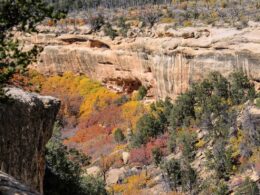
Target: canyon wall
(26, 122)
(166, 63)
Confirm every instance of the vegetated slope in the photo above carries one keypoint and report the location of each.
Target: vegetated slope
(207, 142)
(227, 13)
(213, 141)
(89, 112)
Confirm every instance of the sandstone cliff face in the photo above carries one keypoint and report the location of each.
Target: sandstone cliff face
(26, 122)
(167, 63)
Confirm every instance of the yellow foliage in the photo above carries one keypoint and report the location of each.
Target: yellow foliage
(187, 23)
(214, 14)
(134, 22)
(167, 20)
(132, 185)
(255, 158)
(175, 193)
(36, 79)
(116, 188)
(96, 100)
(235, 142)
(120, 147)
(200, 144)
(134, 96)
(132, 111)
(94, 95)
(72, 84)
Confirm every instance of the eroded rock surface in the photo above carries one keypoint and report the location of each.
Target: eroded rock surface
(26, 122)
(167, 62)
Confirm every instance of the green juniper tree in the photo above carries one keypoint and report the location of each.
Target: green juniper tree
(19, 16)
(119, 136)
(64, 173)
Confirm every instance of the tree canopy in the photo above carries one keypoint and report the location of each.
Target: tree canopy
(19, 16)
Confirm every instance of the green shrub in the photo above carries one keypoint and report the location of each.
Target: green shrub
(147, 126)
(248, 187)
(188, 178)
(121, 100)
(241, 89)
(119, 136)
(180, 175)
(142, 91)
(157, 155)
(24, 16)
(220, 160)
(96, 22)
(172, 142)
(150, 18)
(172, 169)
(182, 111)
(123, 26)
(63, 170)
(222, 188)
(109, 31)
(186, 140)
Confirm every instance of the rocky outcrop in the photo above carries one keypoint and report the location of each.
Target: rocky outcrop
(26, 122)
(167, 62)
(10, 186)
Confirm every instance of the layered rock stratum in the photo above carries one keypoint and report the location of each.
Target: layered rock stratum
(163, 59)
(26, 121)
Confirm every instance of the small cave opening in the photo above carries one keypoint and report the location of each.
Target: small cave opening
(147, 70)
(125, 85)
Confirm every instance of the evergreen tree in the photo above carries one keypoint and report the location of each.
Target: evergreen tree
(241, 89)
(63, 171)
(119, 136)
(22, 16)
(172, 169)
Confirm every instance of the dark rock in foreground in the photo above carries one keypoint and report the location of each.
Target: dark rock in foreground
(26, 122)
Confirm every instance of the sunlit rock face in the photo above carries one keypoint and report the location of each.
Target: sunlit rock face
(26, 122)
(166, 64)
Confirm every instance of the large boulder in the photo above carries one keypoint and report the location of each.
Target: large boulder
(115, 176)
(125, 156)
(26, 122)
(10, 186)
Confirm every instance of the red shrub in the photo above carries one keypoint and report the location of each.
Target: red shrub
(143, 155)
(140, 155)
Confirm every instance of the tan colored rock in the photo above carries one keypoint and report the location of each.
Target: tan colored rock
(94, 171)
(168, 65)
(114, 175)
(125, 156)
